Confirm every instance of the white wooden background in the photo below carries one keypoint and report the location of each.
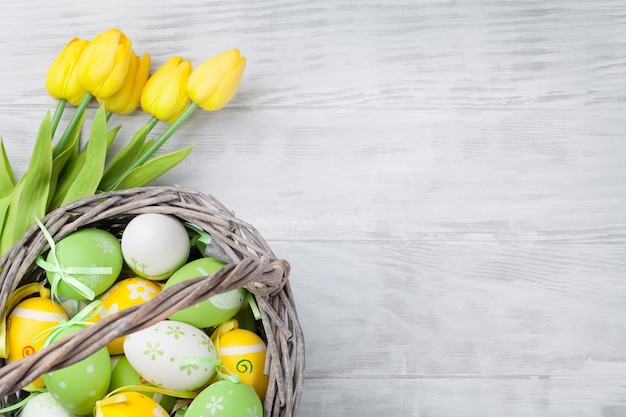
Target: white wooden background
(447, 178)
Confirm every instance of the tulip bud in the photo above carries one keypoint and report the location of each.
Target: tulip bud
(62, 78)
(214, 82)
(103, 65)
(165, 96)
(126, 99)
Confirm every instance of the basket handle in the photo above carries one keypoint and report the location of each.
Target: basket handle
(272, 274)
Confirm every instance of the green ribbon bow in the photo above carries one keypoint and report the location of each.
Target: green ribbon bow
(60, 273)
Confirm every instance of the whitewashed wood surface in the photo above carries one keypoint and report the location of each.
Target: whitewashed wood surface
(447, 179)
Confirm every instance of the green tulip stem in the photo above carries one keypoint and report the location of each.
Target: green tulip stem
(159, 141)
(82, 106)
(164, 136)
(57, 116)
(151, 123)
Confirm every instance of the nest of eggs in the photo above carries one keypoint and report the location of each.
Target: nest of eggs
(252, 265)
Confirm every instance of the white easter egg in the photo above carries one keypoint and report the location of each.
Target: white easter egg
(44, 404)
(155, 245)
(172, 355)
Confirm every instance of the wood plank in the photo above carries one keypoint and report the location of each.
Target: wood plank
(452, 397)
(427, 175)
(458, 309)
(403, 54)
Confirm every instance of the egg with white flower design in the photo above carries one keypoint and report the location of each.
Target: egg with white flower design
(44, 404)
(172, 355)
(85, 260)
(154, 245)
(226, 399)
(214, 310)
(124, 294)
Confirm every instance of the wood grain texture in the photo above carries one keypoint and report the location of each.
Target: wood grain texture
(447, 178)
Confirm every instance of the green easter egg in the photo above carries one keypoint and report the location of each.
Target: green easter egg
(87, 248)
(123, 374)
(77, 387)
(226, 399)
(214, 310)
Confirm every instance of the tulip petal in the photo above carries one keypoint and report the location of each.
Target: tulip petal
(214, 82)
(104, 63)
(165, 96)
(62, 77)
(226, 90)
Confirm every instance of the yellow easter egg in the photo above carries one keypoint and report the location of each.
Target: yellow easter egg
(124, 294)
(243, 352)
(27, 321)
(129, 404)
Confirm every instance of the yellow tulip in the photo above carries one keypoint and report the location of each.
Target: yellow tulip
(215, 82)
(165, 96)
(103, 65)
(62, 78)
(126, 99)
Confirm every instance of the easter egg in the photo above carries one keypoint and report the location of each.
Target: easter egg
(226, 399)
(83, 249)
(172, 355)
(155, 245)
(44, 404)
(124, 294)
(124, 375)
(28, 320)
(243, 353)
(129, 404)
(77, 387)
(216, 309)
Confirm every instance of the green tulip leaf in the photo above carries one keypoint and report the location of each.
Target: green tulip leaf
(124, 158)
(30, 197)
(86, 182)
(7, 179)
(63, 160)
(5, 203)
(152, 169)
(74, 169)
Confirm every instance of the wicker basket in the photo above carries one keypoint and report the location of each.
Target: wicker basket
(254, 267)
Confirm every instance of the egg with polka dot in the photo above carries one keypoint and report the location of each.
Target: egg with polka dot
(29, 319)
(172, 355)
(129, 404)
(122, 295)
(216, 309)
(44, 404)
(77, 387)
(226, 399)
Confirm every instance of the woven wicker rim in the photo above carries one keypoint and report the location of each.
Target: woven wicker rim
(254, 267)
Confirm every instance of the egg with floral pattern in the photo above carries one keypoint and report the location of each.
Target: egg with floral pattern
(172, 355)
(214, 310)
(44, 404)
(85, 249)
(129, 404)
(226, 399)
(154, 245)
(124, 294)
